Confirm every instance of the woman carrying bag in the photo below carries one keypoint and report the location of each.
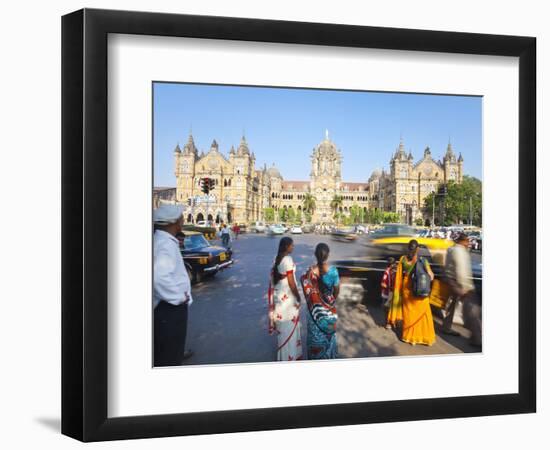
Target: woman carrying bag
(411, 298)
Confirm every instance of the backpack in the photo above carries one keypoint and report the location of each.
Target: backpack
(421, 282)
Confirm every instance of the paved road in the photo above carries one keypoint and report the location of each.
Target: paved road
(228, 318)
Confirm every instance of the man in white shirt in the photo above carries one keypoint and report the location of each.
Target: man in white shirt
(225, 235)
(171, 289)
(458, 273)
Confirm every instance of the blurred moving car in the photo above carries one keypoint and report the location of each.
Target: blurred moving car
(308, 228)
(296, 229)
(369, 269)
(361, 229)
(476, 239)
(201, 258)
(258, 227)
(275, 229)
(393, 229)
(346, 234)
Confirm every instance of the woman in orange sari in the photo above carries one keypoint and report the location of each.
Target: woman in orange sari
(415, 312)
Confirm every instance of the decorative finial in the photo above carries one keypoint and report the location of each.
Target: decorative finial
(326, 134)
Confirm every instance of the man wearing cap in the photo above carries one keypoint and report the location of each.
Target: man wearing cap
(458, 273)
(171, 288)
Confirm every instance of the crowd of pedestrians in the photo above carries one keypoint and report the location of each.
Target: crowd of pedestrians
(405, 286)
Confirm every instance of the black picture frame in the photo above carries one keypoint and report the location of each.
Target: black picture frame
(84, 224)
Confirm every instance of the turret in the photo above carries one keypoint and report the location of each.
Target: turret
(243, 148)
(214, 147)
(189, 148)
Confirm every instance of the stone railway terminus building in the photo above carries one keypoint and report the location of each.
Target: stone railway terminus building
(242, 191)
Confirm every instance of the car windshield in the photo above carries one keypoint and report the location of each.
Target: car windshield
(396, 230)
(195, 241)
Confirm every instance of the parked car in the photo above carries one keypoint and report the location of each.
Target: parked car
(308, 228)
(208, 231)
(275, 229)
(201, 258)
(296, 229)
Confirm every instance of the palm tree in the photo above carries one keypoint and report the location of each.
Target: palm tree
(336, 204)
(308, 205)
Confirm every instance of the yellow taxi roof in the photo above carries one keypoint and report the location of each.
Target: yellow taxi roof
(430, 243)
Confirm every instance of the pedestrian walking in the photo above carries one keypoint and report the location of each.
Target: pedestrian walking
(386, 287)
(458, 274)
(284, 304)
(414, 309)
(171, 289)
(225, 235)
(236, 230)
(321, 286)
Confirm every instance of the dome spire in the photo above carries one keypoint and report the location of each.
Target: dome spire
(243, 147)
(190, 147)
(449, 154)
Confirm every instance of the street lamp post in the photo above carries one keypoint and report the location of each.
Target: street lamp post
(433, 209)
(470, 210)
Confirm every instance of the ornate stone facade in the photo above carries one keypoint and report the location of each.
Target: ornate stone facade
(404, 188)
(242, 191)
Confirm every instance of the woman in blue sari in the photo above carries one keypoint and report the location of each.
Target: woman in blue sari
(321, 285)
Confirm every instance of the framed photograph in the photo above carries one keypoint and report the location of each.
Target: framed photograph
(273, 224)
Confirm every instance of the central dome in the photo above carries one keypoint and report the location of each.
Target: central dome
(273, 172)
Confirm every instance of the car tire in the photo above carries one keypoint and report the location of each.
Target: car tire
(194, 276)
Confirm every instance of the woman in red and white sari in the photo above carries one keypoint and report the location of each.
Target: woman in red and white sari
(284, 304)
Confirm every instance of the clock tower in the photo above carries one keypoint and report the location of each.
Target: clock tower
(325, 177)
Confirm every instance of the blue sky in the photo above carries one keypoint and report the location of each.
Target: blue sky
(283, 125)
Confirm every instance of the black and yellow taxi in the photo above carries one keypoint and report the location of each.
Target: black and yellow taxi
(200, 257)
(368, 267)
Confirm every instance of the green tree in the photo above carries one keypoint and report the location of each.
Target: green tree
(309, 205)
(390, 217)
(357, 214)
(375, 216)
(291, 215)
(457, 204)
(283, 214)
(269, 215)
(299, 216)
(336, 203)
